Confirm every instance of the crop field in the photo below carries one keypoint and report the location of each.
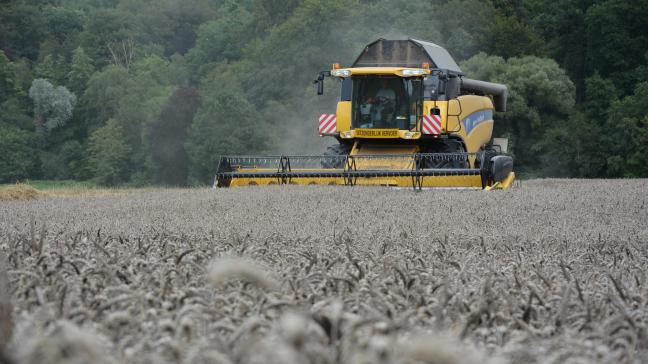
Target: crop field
(552, 271)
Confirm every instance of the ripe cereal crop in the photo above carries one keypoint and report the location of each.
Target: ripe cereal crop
(552, 271)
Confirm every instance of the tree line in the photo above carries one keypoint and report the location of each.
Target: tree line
(153, 91)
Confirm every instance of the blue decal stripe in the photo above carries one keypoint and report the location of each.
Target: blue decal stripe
(476, 118)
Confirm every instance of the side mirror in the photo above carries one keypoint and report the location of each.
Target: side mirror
(320, 81)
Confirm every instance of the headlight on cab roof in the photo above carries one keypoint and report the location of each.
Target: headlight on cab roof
(341, 73)
(414, 72)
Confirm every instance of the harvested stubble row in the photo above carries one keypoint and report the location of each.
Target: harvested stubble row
(552, 272)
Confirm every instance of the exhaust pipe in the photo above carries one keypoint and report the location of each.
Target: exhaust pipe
(497, 90)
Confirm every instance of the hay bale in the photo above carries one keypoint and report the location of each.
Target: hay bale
(19, 192)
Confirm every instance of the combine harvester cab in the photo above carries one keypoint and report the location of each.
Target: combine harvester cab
(407, 117)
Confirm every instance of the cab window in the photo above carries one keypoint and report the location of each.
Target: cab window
(385, 102)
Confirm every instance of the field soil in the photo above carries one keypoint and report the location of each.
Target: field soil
(551, 271)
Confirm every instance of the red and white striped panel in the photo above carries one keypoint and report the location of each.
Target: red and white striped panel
(431, 124)
(327, 123)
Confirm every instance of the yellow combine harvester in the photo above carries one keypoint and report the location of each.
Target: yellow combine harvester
(407, 117)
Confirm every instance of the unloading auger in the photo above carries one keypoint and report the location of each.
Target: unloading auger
(407, 117)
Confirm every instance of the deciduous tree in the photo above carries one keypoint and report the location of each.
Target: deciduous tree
(108, 154)
(80, 71)
(19, 154)
(53, 106)
(226, 123)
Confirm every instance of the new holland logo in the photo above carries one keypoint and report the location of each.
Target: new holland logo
(327, 123)
(431, 124)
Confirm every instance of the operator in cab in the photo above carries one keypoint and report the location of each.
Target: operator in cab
(384, 104)
(386, 92)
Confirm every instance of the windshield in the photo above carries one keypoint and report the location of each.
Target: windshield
(385, 102)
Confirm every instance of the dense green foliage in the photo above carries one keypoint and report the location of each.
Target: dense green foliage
(152, 91)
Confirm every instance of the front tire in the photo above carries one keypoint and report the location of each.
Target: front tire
(443, 147)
